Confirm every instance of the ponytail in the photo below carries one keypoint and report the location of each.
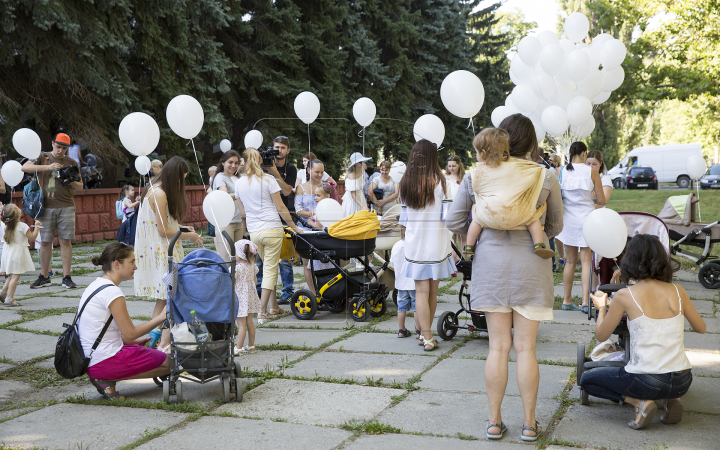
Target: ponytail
(576, 148)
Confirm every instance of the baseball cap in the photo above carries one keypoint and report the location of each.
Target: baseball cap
(62, 138)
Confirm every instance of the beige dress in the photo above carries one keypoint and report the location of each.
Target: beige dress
(151, 253)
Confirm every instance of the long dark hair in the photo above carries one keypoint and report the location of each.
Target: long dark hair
(645, 258)
(417, 187)
(576, 148)
(461, 169)
(172, 182)
(311, 163)
(597, 154)
(114, 251)
(227, 155)
(523, 140)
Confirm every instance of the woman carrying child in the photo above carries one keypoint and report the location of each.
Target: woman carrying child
(16, 259)
(249, 303)
(656, 311)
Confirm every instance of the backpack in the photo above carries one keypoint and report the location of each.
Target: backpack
(70, 360)
(33, 200)
(119, 209)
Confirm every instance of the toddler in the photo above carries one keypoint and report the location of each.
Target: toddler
(128, 206)
(16, 259)
(323, 191)
(492, 147)
(249, 302)
(211, 173)
(404, 285)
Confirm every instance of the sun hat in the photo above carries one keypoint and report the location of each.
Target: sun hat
(356, 158)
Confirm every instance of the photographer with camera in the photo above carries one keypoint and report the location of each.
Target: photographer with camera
(59, 177)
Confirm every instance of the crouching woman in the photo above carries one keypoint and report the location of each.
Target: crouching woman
(121, 354)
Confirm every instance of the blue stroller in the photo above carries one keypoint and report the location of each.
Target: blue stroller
(203, 283)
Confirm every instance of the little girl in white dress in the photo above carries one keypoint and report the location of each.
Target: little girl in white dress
(16, 259)
(249, 303)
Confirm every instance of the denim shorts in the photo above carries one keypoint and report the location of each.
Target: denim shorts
(614, 383)
(405, 300)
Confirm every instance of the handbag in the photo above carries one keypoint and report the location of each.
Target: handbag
(70, 359)
(288, 248)
(210, 229)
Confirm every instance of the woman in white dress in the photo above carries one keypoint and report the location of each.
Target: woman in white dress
(454, 174)
(596, 161)
(388, 186)
(428, 253)
(354, 199)
(577, 183)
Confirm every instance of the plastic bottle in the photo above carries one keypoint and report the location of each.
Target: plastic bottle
(198, 328)
(154, 337)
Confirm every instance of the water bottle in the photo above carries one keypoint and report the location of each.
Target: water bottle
(155, 335)
(198, 328)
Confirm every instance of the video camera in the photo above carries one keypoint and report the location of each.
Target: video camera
(69, 174)
(268, 156)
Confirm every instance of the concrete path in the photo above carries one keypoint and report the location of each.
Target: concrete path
(332, 383)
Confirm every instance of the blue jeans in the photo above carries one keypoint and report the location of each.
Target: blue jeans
(286, 275)
(614, 384)
(406, 300)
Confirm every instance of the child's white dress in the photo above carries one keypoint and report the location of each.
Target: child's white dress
(16, 257)
(249, 303)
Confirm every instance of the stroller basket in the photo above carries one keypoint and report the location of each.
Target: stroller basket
(342, 290)
(335, 248)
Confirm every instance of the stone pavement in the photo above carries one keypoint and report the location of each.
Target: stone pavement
(332, 383)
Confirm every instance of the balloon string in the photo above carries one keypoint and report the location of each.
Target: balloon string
(309, 138)
(198, 164)
(221, 238)
(363, 133)
(697, 186)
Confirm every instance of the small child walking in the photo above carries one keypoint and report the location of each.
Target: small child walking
(492, 147)
(404, 285)
(249, 303)
(127, 192)
(16, 259)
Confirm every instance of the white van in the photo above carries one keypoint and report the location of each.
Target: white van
(668, 162)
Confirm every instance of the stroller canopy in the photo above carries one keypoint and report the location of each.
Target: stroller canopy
(644, 223)
(679, 210)
(358, 226)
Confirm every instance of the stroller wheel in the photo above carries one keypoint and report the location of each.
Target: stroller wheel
(359, 309)
(580, 363)
(379, 308)
(303, 304)
(178, 392)
(159, 380)
(226, 390)
(710, 275)
(166, 391)
(447, 325)
(336, 306)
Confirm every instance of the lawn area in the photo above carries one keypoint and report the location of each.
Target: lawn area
(653, 201)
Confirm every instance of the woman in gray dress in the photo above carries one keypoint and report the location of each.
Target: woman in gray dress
(512, 285)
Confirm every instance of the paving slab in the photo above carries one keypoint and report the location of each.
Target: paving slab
(704, 363)
(296, 338)
(544, 351)
(447, 413)
(41, 303)
(384, 342)
(712, 325)
(232, 433)
(699, 396)
(4, 366)
(57, 426)
(359, 366)
(404, 441)
(444, 377)
(392, 325)
(24, 290)
(267, 360)
(47, 364)
(20, 347)
(10, 389)
(701, 342)
(571, 317)
(313, 403)
(580, 426)
(8, 315)
(704, 307)
(55, 323)
(560, 290)
(14, 412)
(140, 308)
(322, 319)
(550, 332)
(203, 394)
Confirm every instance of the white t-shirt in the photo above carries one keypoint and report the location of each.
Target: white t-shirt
(397, 259)
(260, 211)
(605, 180)
(2, 235)
(302, 173)
(93, 319)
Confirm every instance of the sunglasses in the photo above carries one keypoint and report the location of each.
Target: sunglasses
(281, 137)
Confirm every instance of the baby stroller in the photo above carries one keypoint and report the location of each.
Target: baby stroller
(637, 223)
(679, 214)
(335, 285)
(202, 282)
(448, 324)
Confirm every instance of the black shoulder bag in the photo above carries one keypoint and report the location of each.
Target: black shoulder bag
(70, 360)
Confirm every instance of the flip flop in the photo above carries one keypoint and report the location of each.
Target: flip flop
(101, 387)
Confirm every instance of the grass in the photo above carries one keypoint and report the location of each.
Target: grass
(559, 299)
(38, 376)
(653, 201)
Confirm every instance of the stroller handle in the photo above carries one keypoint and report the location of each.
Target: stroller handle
(304, 223)
(182, 230)
(607, 289)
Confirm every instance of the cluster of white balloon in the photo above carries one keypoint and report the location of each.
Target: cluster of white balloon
(27, 143)
(558, 81)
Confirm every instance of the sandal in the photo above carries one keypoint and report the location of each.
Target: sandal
(490, 435)
(673, 411)
(239, 351)
(536, 429)
(570, 307)
(404, 333)
(3, 295)
(102, 387)
(417, 334)
(430, 342)
(251, 349)
(14, 303)
(421, 340)
(647, 416)
(542, 251)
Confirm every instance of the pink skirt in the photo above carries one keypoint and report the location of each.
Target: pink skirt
(131, 360)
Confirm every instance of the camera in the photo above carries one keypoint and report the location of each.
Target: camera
(268, 156)
(69, 174)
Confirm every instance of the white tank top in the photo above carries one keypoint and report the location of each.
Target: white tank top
(656, 345)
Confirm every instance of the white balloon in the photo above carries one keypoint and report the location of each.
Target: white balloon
(579, 110)
(613, 78)
(567, 46)
(524, 98)
(539, 130)
(547, 37)
(577, 26)
(554, 120)
(522, 71)
(605, 232)
(565, 93)
(225, 145)
(12, 173)
(580, 46)
(546, 84)
(142, 164)
(584, 130)
(562, 75)
(529, 49)
(515, 80)
(695, 166)
(253, 139)
(139, 133)
(600, 40)
(499, 114)
(601, 98)
(591, 85)
(552, 59)
(612, 54)
(397, 170)
(219, 208)
(364, 111)
(328, 211)
(594, 58)
(462, 93)
(429, 127)
(508, 102)
(307, 107)
(27, 143)
(185, 116)
(577, 64)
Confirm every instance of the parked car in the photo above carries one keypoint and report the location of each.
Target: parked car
(668, 161)
(639, 178)
(711, 179)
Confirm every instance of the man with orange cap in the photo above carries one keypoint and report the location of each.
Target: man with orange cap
(59, 178)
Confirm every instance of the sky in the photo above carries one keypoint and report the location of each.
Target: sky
(544, 12)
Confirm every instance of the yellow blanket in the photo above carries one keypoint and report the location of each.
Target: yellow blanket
(358, 226)
(506, 196)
